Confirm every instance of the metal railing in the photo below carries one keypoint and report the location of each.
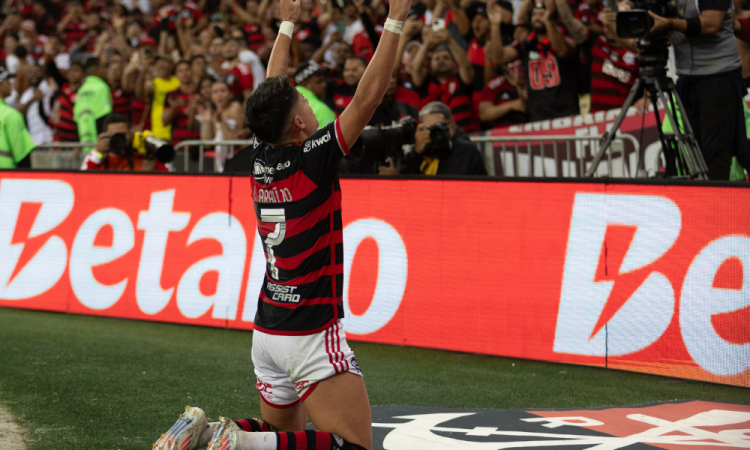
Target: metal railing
(575, 165)
(512, 149)
(185, 147)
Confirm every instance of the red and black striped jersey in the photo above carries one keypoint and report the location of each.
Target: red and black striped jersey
(497, 92)
(121, 103)
(589, 14)
(170, 14)
(455, 94)
(255, 36)
(74, 32)
(67, 129)
(613, 73)
(339, 95)
(297, 200)
(407, 97)
(180, 130)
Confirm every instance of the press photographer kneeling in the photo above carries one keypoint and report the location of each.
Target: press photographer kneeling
(119, 149)
(710, 79)
(440, 147)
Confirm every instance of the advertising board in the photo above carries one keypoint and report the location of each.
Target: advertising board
(647, 278)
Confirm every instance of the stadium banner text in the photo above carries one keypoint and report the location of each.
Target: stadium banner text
(644, 278)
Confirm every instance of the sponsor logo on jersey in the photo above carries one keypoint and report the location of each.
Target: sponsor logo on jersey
(311, 144)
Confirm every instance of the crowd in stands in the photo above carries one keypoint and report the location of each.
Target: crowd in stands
(183, 69)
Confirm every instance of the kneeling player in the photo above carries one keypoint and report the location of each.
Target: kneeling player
(302, 361)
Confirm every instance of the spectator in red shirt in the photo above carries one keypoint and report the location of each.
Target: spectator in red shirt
(451, 78)
(45, 21)
(121, 100)
(198, 68)
(239, 75)
(73, 26)
(181, 105)
(340, 94)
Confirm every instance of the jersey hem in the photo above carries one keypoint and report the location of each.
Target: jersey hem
(295, 333)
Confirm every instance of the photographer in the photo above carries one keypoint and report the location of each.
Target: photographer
(120, 156)
(440, 147)
(710, 79)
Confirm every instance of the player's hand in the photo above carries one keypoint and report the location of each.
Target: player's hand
(399, 9)
(290, 10)
(421, 138)
(390, 169)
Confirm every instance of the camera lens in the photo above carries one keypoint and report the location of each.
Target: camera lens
(118, 142)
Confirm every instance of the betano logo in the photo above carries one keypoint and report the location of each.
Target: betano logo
(589, 324)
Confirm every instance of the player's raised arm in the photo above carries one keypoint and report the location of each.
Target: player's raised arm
(375, 81)
(278, 63)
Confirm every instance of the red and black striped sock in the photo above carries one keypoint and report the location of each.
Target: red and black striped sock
(313, 440)
(254, 425)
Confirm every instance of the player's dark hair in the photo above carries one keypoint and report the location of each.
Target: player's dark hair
(114, 118)
(269, 107)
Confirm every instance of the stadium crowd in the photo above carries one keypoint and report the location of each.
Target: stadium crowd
(183, 69)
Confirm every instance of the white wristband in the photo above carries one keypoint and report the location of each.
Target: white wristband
(286, 28)
(394, 26)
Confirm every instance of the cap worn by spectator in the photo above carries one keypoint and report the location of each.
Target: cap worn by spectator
(476, 8)
(306, 70)
(148, 41)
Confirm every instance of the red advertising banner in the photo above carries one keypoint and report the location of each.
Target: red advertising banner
(645, 278)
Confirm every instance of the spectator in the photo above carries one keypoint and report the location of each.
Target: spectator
(164, 81)
(67, 129)
(500, 103)
(249, 57)
(93, 102)
(224, 121)
(340, 94)
(549, 64)
(35, 105)
(407, 96)
(103, 157)
(73, 25)
(15, 142)
(451, 78)
(121, 100)
(239, 75)
(181, 106)
(311, 83)
(457, 156)
(198, 66)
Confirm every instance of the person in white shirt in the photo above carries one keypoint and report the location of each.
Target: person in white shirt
(36, 106)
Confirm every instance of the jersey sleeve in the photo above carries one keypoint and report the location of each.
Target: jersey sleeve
(322, 152)
(19, 138)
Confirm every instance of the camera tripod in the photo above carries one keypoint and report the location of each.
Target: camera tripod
(681, 152)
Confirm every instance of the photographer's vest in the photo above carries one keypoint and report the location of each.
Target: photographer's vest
(705, 55)
(15, 141)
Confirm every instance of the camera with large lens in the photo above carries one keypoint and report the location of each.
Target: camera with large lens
(636, 23)
(118, 144)
(440, 140)
(152, 147)
(376, 144)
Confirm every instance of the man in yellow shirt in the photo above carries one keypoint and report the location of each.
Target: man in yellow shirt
(156, 91)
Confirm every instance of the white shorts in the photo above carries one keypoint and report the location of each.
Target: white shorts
(289, 368)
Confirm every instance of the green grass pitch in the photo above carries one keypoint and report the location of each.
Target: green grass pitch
(77, 382)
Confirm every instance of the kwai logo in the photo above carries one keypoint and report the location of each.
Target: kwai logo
(309, 145)
(590, 323)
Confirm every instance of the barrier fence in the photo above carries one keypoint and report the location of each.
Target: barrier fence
(646, 278)
(550, 156)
